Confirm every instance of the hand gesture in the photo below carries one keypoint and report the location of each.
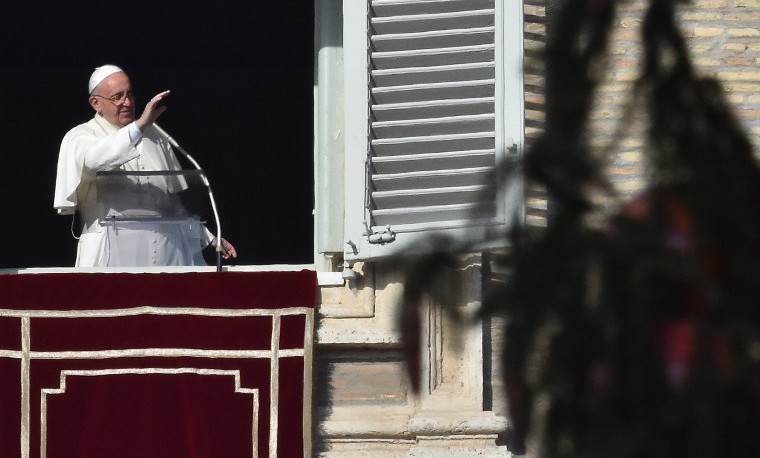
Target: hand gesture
(154, 108)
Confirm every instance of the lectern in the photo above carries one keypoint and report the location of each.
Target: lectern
(152, 217)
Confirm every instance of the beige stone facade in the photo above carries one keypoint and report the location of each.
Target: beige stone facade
(724, 39)
(364, 403)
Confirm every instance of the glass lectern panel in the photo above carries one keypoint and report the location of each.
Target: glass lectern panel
(152, 218)
(162, 193)
(144, 242)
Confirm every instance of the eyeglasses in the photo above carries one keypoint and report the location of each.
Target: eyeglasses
(117, 99)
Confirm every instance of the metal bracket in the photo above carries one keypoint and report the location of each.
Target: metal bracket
(382, 237)
(511, 145)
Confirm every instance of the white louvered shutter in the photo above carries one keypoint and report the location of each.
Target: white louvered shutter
(435, 120)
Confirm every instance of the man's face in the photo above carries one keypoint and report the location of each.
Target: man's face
(113, 100)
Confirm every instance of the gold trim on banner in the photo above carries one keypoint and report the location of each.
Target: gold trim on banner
(147, 371)
(150, 310)
(166, 353)
(26, 342)
(274, 387)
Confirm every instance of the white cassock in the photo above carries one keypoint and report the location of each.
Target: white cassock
(98, 145)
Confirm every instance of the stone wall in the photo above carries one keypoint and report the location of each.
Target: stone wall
(724, 39)
(365, 406)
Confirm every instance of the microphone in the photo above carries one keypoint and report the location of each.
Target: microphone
(206, 183)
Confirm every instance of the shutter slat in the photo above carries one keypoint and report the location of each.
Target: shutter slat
(432, 108)
(434, 126)
(432, 39)
(432, 22)
(433, 144)
(424, 180)
(460, 212)
(472, 220)
(402, 7)
(433, 196)
(434, 74)
(429, 58)
(434, 161)
(433, 91)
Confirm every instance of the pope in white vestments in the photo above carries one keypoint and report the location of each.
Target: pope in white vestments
(115, 141)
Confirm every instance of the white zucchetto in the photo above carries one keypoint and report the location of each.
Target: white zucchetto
(100, 74)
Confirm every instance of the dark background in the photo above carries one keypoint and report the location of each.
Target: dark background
(241, 76)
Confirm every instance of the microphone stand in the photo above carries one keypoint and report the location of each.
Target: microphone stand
(206, 183)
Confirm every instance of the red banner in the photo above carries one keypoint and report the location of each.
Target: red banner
(149, 365)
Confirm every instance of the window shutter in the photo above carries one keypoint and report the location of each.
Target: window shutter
(433, 133)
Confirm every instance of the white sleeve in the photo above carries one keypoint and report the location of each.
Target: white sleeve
(102, 153)
(135, 134)
(84, 153)
(206, 237)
